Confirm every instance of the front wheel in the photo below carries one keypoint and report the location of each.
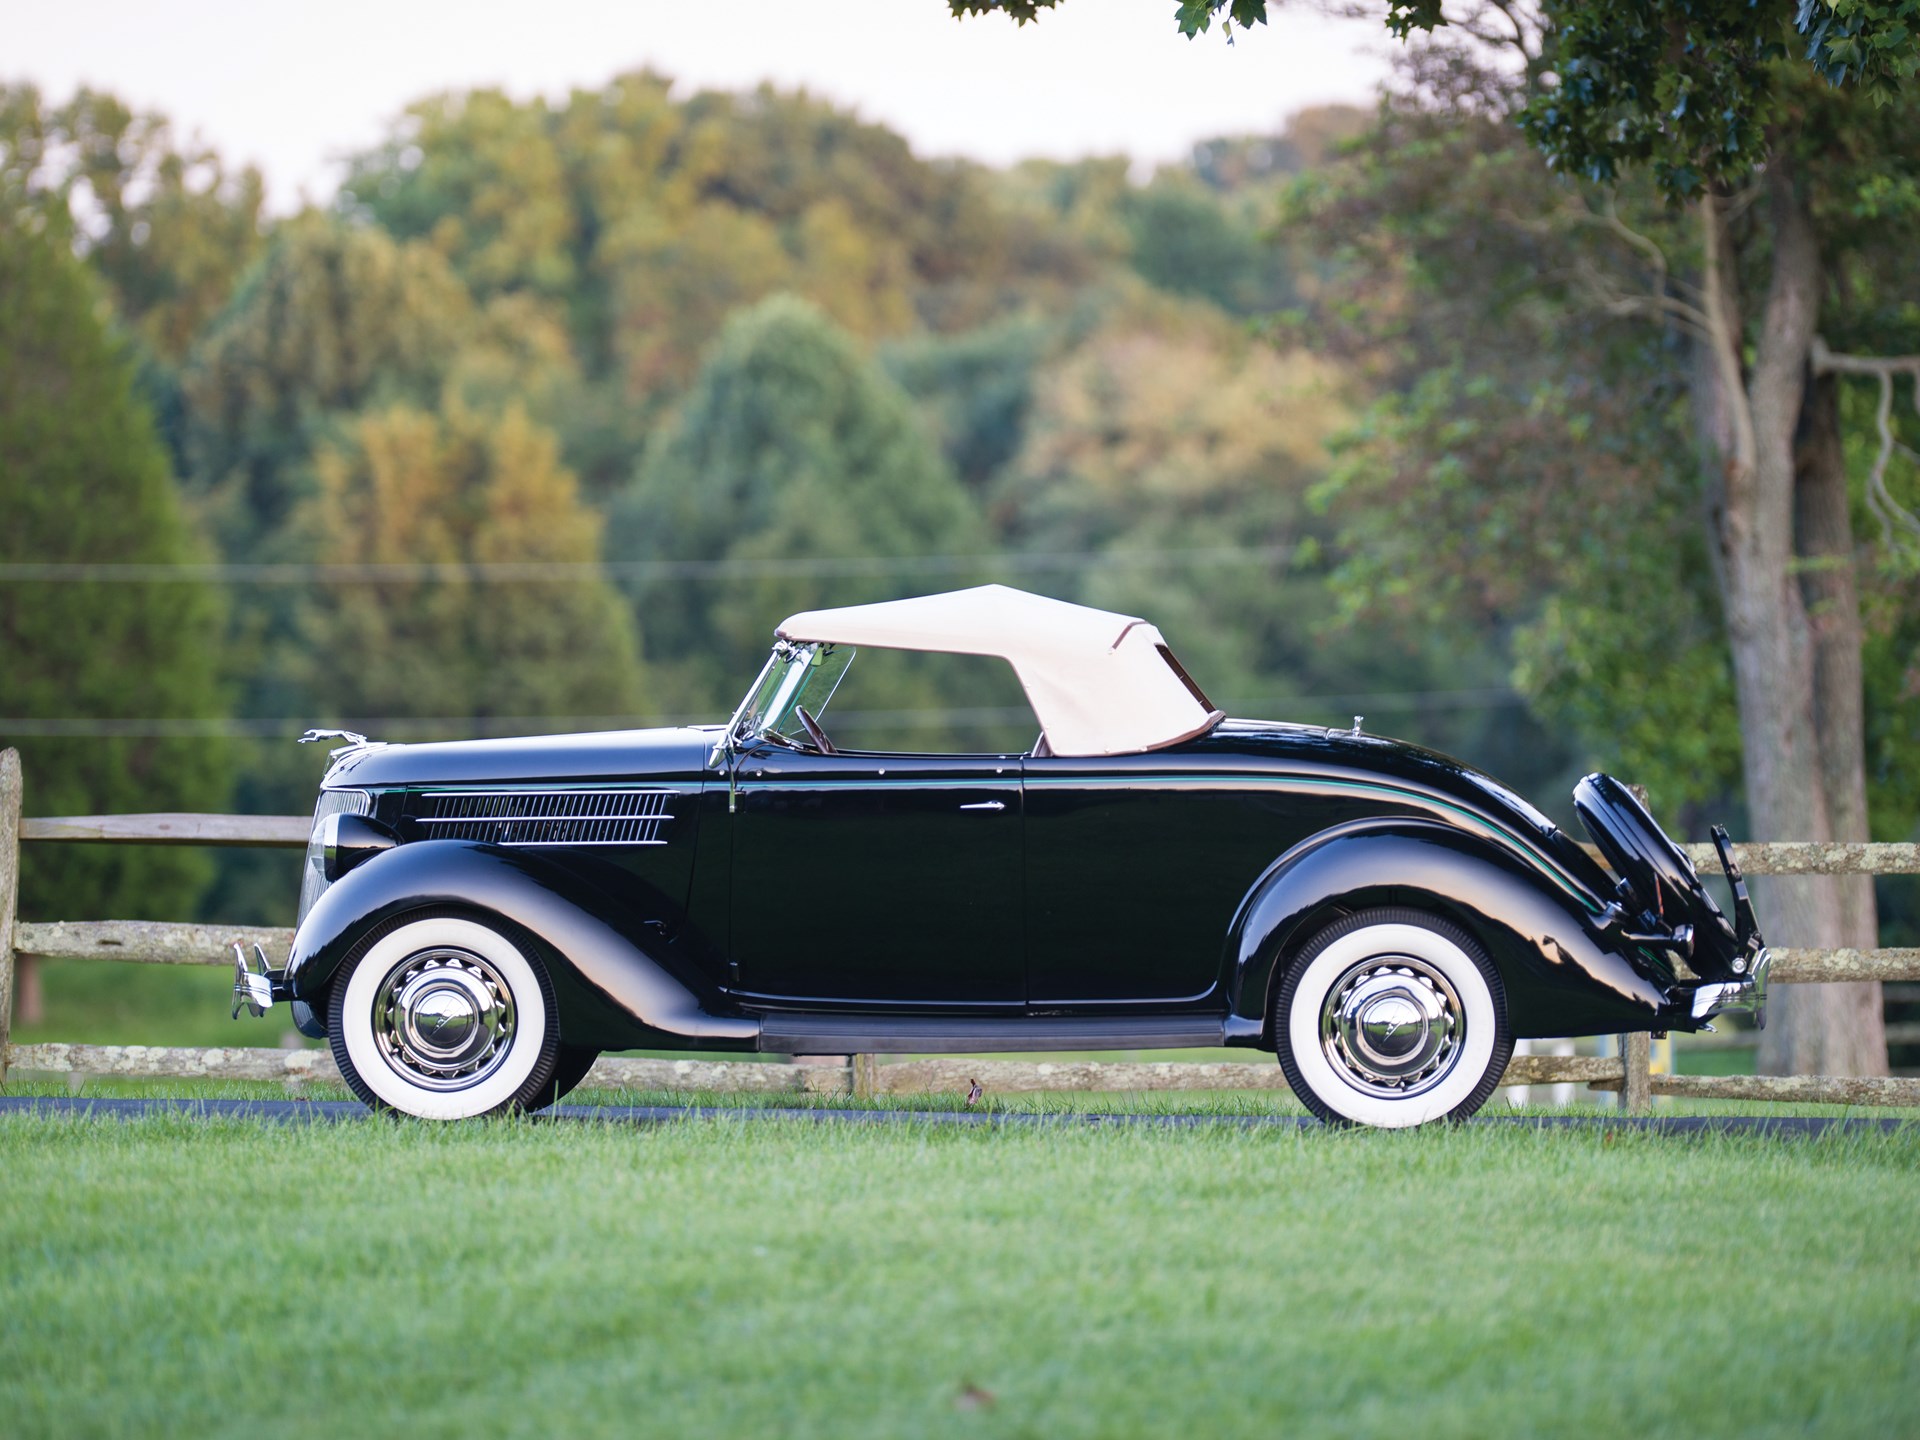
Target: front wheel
(570, 1067)
(444, 1018)
(1392, 1018)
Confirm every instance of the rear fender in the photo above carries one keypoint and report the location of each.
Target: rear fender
(1561, 976)
(603, 962)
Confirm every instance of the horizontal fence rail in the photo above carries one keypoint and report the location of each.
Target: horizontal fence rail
(288, 832)
(161, 943)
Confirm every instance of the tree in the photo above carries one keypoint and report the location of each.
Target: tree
(789, 447)
(84, 479)
(1526, 463)
(333, 319)
(1186, 242)
(1704, 97)
(449, 489)
(1168, 433)
(975, 390)
(642, 221)
(169, 229)
(676, 279)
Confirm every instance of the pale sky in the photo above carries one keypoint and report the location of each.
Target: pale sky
(293, 87)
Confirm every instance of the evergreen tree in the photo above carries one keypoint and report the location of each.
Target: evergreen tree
(83, 478)
(790, 444)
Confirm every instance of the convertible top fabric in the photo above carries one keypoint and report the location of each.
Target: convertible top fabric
(1100, 683)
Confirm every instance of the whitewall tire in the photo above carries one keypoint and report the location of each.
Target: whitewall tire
(1391, 1018)
(445, 1018)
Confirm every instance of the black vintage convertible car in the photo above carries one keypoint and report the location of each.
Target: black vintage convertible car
(480, 920)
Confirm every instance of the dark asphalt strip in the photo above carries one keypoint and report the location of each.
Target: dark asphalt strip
(310, 1111)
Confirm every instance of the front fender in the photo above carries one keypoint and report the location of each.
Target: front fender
(559, 910)
(1561, 976)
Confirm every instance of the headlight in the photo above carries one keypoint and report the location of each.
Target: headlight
(313, 876)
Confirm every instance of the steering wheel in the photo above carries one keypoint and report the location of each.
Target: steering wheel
(814, 732)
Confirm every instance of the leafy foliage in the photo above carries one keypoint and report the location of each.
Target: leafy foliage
(975, 390)
(170, 230)
(1866, 42)
(789, 444)
(1685, 87)
(334, 318)
(1186, 243)
(454, 487)
(83, 477)
(1527, 462)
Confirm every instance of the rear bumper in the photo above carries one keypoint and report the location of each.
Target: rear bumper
(1747, 995)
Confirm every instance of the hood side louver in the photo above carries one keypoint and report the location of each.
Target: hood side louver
(546, 817)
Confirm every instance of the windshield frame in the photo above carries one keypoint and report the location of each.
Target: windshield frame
(809, 672)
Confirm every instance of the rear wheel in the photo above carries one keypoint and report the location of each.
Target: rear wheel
(1392, 1017)
(445, 1018)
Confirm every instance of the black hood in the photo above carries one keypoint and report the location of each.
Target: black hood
(612, 755)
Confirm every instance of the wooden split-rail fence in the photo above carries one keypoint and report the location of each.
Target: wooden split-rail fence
(1628, 1070)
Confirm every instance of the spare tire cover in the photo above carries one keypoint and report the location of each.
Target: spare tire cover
(1662, 878)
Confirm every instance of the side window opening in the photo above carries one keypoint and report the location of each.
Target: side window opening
(918, 702)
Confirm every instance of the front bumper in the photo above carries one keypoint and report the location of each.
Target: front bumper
(257, 987)
(255, 990)
(1747, 995)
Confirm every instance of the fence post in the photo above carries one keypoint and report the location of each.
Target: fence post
(9, 890)
(863, 1076)
(1636, 1090)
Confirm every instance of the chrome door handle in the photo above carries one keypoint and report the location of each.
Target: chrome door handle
(985, 805)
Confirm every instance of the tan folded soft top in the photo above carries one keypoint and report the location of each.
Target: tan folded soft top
(1100, 683)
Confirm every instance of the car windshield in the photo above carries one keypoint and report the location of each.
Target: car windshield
(795, 676)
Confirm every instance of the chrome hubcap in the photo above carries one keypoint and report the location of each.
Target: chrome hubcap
(1392, 1025)
(444, 1019)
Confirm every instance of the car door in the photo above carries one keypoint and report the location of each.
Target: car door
(883, 880)
(1135, 866)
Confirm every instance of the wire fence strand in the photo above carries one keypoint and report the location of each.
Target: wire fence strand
(550, 572)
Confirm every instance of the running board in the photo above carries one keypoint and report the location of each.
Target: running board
(814, 1034)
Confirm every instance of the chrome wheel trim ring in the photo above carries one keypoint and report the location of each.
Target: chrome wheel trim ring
(1392, 1026)
(444, 1019)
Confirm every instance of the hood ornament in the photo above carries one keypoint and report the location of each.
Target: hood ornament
(355, 741)
(1356, 724)
(352, 737)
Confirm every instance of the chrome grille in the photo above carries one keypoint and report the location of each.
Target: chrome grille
(546, 817)
(313, 874)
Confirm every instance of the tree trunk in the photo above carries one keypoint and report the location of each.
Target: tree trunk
(1751, 420)
(1824, 533)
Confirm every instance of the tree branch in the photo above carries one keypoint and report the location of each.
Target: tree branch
(1689, 310)
(1883, 369)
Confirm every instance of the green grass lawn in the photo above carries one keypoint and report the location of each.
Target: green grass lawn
(780, 1279)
